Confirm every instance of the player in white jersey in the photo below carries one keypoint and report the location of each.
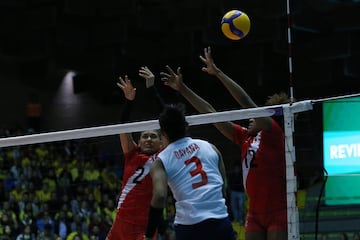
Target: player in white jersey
(195, 172)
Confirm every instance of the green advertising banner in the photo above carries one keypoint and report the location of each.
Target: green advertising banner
(341, 150)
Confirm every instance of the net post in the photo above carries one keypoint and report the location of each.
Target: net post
(291, 181)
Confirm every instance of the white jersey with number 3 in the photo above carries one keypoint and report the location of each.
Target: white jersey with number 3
(193, 175)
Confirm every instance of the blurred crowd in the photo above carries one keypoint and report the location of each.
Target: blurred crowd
(57, 190)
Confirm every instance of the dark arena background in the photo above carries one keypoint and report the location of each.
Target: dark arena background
(67, 55)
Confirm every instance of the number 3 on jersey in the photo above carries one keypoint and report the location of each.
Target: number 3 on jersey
(197, 170)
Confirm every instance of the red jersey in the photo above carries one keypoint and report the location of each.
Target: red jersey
(264, 172)
(136, 190)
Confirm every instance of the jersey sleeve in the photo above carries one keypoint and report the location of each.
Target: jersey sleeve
(240, 134)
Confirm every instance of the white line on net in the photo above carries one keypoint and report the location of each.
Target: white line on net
(198, 119)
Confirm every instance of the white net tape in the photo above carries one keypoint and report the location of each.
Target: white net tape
(151, 124)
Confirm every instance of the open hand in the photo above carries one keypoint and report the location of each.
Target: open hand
(207, 59)
(172, 79)
(126, 86)
(148, 75)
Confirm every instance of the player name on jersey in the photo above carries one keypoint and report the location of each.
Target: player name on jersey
(187, 150)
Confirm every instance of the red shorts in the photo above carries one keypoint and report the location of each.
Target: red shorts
(126, 231)
(267, 222)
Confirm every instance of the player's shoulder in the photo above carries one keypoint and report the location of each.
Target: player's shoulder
(203, 143)
(198, 140)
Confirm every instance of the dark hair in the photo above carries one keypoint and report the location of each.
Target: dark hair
(172, 121)
(277, 99)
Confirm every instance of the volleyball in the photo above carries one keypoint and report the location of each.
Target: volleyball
(235, 24)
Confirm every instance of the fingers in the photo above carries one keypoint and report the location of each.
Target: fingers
(145, 68)
(164, 77)
(145, 72)
(208, 50)
(124, 82)
(208, 54)
(207, 60)
(120, 86)
(170, 70)
(179, 71)
(164, 74)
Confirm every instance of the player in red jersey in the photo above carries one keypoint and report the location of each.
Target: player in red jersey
(136, 191)
(263, 154)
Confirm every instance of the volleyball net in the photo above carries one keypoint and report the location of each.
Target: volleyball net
(153, 124)
(97, 134)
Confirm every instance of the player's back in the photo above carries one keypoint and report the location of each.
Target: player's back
(195, 180)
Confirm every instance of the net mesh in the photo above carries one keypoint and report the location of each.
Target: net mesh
(35, 164)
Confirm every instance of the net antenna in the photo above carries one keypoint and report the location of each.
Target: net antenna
(291, 81)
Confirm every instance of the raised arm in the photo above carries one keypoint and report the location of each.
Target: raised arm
(149, 77)
(236, 91)
(174, 80)
(126, 139)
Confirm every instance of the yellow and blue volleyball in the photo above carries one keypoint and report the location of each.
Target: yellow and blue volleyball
(235, 24)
